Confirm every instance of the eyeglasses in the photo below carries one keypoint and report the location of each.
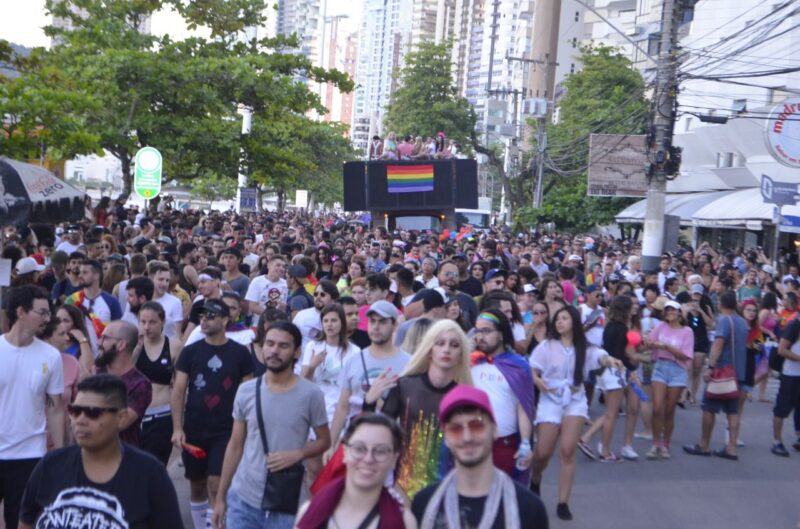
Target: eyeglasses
(91, 412)
(450, 274)
(380, 453)
(44, 313)
(320, 294)
(475, 427)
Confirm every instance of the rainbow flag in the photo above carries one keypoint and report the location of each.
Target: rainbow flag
(409, 178)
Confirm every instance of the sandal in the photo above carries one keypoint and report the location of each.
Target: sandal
(725, 455)
(587, 450)
(696, 450)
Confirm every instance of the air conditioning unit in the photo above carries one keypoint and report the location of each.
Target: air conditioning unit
(535, 107)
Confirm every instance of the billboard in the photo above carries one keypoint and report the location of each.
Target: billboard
(617, 166)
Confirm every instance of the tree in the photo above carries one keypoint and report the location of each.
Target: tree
(213, 187)
(426, 100)
(605, 96)
(178, 96)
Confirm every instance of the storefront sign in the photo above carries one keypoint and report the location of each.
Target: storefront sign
(783, 133)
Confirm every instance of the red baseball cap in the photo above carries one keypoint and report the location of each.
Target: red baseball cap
(464, 396)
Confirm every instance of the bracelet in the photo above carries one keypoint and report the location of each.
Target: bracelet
(85, 340)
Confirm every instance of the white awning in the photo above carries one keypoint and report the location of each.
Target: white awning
(740, 209)
(683, 205)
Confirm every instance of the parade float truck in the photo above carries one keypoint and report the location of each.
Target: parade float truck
(413, 195)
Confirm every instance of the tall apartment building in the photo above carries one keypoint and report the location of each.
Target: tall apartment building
(301, 17)
(340, 51)
(432, 20)
(384, 38)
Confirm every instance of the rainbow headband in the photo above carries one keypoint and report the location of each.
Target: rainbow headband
(489, 317)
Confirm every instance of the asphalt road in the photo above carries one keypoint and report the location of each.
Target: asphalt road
(687, 492)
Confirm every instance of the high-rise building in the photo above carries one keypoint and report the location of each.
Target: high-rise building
(339, 51)
(432, 20)
(302, 18)
(384, 38)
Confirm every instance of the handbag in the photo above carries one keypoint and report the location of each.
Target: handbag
(722, 383)
(282, 488)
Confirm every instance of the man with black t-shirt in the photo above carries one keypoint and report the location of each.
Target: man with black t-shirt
(100, 481)
(469, 430)
(208, 288)
(212, 369)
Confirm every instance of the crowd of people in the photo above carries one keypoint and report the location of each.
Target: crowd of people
(413, 148)
(310, 372)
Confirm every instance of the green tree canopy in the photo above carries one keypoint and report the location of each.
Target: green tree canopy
(426, 100)
(606, 96)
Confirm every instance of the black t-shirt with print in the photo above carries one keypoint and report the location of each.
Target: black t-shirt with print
(532, 514)
(59, 495)
(215, 372)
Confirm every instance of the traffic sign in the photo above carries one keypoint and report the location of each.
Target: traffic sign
(779, 193)
(147, 175)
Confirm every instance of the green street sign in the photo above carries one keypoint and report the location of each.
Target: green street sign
(147, 176)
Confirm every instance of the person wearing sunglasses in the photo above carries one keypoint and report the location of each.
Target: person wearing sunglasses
(31, 389)
(461, 498)
(372, 447)
(309, 320)
(211, 370)
(100, 478)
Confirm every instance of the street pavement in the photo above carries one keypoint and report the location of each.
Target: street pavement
(687, 492)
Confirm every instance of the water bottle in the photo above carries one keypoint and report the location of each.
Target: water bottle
(639, 392)
(523, 453)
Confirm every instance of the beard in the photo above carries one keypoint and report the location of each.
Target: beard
(105, 358)
(134, 309)
(279, 367)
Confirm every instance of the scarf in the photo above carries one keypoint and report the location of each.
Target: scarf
(323, 504)
(517, 373)
(502, 489)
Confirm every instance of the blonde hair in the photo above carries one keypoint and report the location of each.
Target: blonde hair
(421, 357)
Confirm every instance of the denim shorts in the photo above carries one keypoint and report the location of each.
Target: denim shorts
(670, 373)
(241, 515)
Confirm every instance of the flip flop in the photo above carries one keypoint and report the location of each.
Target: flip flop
(587, 450)
(696, 450)
(725, 455)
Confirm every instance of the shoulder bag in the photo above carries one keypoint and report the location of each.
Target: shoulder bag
(722, 383)
(282, 488)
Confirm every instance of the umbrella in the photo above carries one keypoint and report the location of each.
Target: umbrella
(29, 193)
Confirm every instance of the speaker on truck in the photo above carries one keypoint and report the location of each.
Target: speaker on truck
(355, 192)
(466, 184)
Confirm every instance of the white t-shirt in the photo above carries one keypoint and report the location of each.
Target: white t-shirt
(244, 336)
(130, 317)
(518, 330)
(251, 260)
(433, 282)
(174, 312)
(309, 322)
(326, 375)
(504, 402)
(267, 293)
(594, 335)
(122, 294)
(67, 247)
(26, 376)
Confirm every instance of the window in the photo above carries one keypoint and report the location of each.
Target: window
(577, 16)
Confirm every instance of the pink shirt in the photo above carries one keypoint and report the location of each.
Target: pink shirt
(681, 338)
(72, 370)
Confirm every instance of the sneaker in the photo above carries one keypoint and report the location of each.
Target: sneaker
(652, 453)
(643, 435)
(563, 512)
(612, 458)
(664, 453)
(779, 450)
(629, 453)
(587, 450)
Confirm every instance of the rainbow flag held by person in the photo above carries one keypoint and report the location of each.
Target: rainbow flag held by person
(409, 178)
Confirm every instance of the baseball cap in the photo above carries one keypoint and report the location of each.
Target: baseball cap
(768, 269)
(494, 272)
(26, 265)
(592, 288)
(614, 278)
(672, 305)
(297, 270)
(215, 307)
(231, 250)
(697, 288)
(384, 309)
(574, 257)
(212, 272)
(528, 288)
(164, 239)
(464, 396)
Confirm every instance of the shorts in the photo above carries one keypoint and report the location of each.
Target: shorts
(727, 406)
(788, 396)
(611, 379)
(243, 515)
(156, 436)
(196, 469)
(549, 410)
(670, 373)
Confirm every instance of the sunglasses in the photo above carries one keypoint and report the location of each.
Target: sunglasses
(91, 412)
(320, 294)
(208, 315)
(475, 427)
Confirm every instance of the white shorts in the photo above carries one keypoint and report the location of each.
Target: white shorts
(611, 379)
(549, 410)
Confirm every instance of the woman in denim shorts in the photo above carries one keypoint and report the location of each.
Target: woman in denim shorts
(672, 344)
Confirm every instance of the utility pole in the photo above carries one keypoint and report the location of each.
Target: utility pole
(661, 137)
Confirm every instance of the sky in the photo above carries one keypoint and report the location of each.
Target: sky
(22, 21)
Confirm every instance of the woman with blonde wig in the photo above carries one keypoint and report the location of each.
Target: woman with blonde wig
(440, 362)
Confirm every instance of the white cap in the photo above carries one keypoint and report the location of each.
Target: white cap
(672, 305)
(575, 258)
(27, 265)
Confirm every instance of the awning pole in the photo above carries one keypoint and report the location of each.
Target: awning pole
(775, 247)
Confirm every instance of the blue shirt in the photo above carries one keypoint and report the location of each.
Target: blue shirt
(736, 337)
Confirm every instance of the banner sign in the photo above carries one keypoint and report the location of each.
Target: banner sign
(617, 166)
